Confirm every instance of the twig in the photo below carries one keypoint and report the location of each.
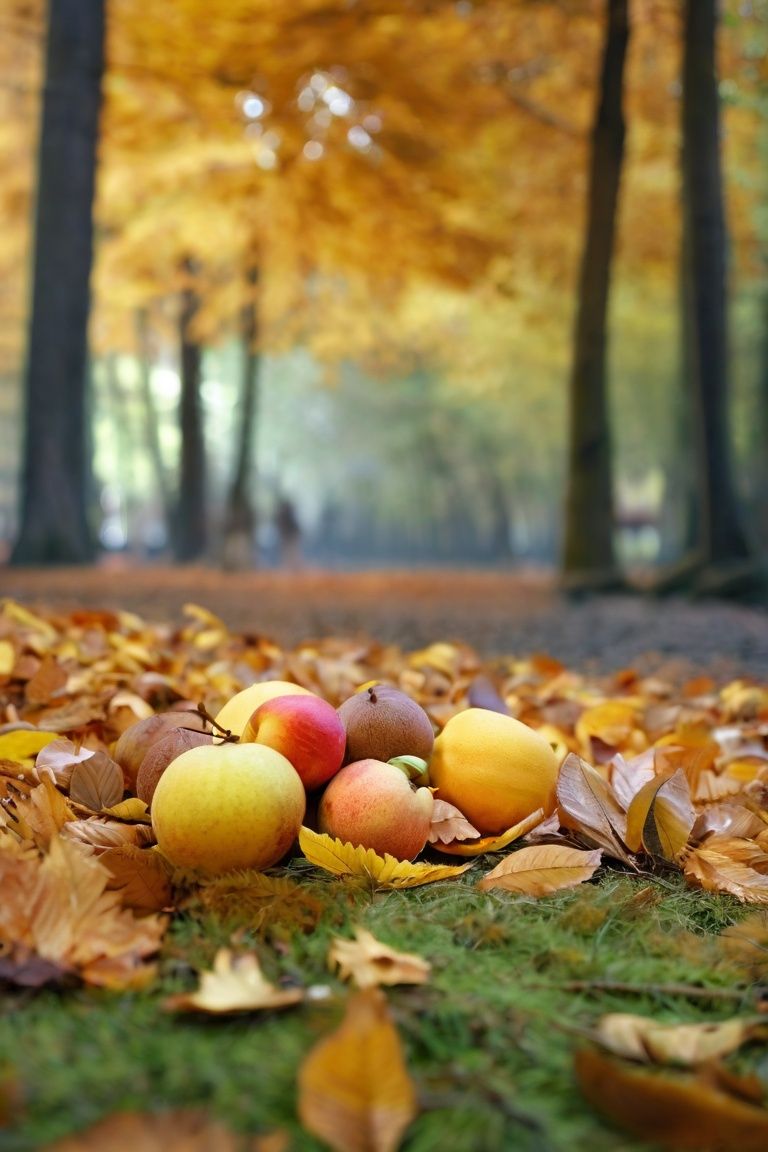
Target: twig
(689, 991)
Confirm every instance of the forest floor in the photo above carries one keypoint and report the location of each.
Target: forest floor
(495, 612)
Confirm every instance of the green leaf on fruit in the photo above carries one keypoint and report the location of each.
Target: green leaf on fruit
(413, 766)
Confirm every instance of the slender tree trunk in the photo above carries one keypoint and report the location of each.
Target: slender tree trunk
(54, 526)
(240, 513)
(191, 520)
(151, 430)
(722, 540)
(588, 547)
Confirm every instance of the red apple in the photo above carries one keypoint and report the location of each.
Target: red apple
(374, 804)
(306, 730)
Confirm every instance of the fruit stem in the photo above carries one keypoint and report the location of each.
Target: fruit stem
(372, 695)
(227, 736)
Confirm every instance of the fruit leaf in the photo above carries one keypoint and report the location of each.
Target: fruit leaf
(368, 962)
(384, 871)
(236, 984)
(543, 869)
(97, 782)
(354, 1090)
(687, 1112)
(494, 843)
(413, 766)
(588, 807)
(643, 1038)
(661, 816)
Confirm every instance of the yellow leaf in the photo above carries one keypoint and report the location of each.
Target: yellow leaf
(236, 984)
(354, 1089)
(23, 743)
(384, 871)
(494, 843)
(543, 869)
(642, 1038)
(369, 962)
(612, 722)
(132, 809)
(7, 657)
(727, 864)
(661, 815)
(686, 1112)
(27, 619)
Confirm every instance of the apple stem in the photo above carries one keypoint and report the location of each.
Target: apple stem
(226, 734)
(372, 695)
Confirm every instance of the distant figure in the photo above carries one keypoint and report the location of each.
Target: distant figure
(288, 534)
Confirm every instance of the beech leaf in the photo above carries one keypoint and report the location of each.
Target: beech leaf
(728, 864)
(661, 816)
(97, 782)
(542, 869)
(59, 758)
(354, 1090)
(368, 962)
(141, 876)
(589, 808)
(235, 984)
(386, 871)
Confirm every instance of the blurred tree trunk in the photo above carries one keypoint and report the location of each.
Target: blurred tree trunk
(190, 536)
(151, 429)
(240, 512)
(721, 540)
(54, 527)
(588, 558)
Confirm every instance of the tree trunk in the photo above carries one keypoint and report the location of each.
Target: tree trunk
(54, 527)
(151, 431)
(191, 521)
(240, 513)
(722, 540)
(588, 550)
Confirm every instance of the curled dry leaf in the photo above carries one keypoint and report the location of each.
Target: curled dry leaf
(588, 807)
(97, 782)
(542, 869)
(101, 833)
(354, 1089)
(236, 984)
(661, 816)
(448, 824)
(730, 864)
(58, 760)
(368, 962)
(382, 871)
(687, 1112)
(39, 815)
(495, 843)
(645, 1039)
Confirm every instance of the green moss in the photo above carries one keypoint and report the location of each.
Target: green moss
(489, 1041)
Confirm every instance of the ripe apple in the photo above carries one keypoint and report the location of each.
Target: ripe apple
(226, 806)
(236, 713)
(372, 803)
(306, 730)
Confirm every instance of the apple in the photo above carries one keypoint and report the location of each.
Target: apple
(306, 730)
(236, 713)
(374, 804)
(227, 806)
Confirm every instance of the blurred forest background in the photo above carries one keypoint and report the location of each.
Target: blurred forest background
(330, 280)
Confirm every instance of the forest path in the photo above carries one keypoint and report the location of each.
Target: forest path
(498, 613)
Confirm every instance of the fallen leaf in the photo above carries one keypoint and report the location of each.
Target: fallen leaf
(7, 657)
(612, 722)
(643, 1038)
(100, 833)
(588, 807)
(661, 816)
(41, 814)
(97, 782)
(58, 759)
(368, 962)
(542, 869)
(448, 824)
(747, 944)
(727, 864)
(47, 682)
(236, 984)
(494, 843)
(354, 1089)
(23, 743)
(182, 1130)
(142, 877)
(687, 1112)
(384, 871)
(263, 902)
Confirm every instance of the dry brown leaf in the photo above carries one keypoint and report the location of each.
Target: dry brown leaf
(382, 871)
(746, 943)
(728, 819)
(141, 876)
(368, 962)
(542, 869)
(49, 681)
(41, 814)
(661, 816)
(101, 833)
(588, 807)
(58, 759)
(235, 984)
(643, 1038)
(730, 864)
(448, 824)
(687, 1112)
(97, 782)
(495, 843)
(354, 1089)
(183, 1130)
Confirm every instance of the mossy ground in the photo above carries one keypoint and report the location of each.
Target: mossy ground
(489, 1041)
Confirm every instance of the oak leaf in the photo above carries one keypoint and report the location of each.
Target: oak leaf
(687, 1112)
(661, 816)
(542, 869)
(643, 1038)
(588, 807)
(386, 871)
(368, 962)
(235, 984)
(354, 1089)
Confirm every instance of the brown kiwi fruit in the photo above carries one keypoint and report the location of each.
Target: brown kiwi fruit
(383, 722)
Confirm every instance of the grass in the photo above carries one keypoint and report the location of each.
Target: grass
(489, 1041)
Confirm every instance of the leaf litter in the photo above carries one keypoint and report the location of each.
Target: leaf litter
(655, 775)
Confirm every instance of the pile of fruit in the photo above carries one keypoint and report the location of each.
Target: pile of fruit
(234, 790)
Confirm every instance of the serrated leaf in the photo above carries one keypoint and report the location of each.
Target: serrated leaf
(368, 962)
(355, 1093)
(494, 843)
(97, 783)
(235, 984)
(588, 807)
(661, 816)
(383, 871)
(542, 869)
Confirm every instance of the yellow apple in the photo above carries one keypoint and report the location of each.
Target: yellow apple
(237, 712)
(226, 806)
